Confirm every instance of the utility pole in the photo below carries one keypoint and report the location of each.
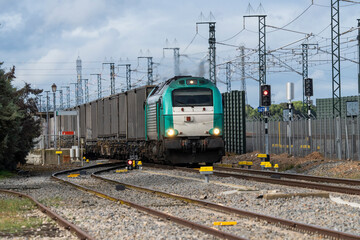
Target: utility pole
(47, 119)
(305, 68)
(86, 90)
(176, 60)
(39, 103)
(242, 65)
(262, 48)
(336, 80)
(150, 70)
(53, 88)
(128, 75)
(76, 87)
(228, 76)
(112, 77)
(212, 50)
(79, 82)
(61, 100)
(98, 84)
(358, 122)
(358, 38)
(67, 95)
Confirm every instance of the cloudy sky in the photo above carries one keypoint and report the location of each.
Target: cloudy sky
(43, 39)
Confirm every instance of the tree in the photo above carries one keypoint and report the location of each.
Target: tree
(18, 124)
(276, 110)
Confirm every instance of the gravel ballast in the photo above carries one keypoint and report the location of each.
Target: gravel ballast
(311, 210)
(104, 219)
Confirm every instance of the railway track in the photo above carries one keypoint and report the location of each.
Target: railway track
(163, 215)
(229, 210)
(274, 220)
(310, 178)
(227, 172)
(54, 216)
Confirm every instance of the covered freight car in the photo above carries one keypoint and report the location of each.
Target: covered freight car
(137, 122)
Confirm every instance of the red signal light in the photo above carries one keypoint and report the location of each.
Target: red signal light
(266, 92)
(129, 162)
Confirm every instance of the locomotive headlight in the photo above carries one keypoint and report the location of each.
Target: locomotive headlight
(171, 132)
(215, 131)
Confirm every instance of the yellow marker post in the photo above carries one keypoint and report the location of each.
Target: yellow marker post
(224, 223)
(73, 175)
(276, 167)
(242, 164)
(58, 153)
(262, 165)
(139, 165)
(206, 171)
(249, 164)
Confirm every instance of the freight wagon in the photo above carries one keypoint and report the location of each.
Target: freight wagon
(179, 121)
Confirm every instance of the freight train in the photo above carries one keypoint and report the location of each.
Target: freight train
(179, 121)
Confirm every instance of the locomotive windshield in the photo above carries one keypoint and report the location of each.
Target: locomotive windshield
(192, 97)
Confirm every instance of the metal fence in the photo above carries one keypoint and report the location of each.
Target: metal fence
(234, 122)
(294, 137)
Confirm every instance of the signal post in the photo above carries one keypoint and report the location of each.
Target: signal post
(265, 100)
(308, 94)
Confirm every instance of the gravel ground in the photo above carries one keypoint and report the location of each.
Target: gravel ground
(194, 213)
(108, 220)
(48, 230)
(101, 218)
(317, 211)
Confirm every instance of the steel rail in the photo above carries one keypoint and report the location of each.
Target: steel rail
(292, 175)
(292, 183)
(163, 215)
(285, 182)
(274, 220)
(54, 216)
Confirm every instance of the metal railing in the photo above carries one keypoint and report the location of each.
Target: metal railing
(321, 137)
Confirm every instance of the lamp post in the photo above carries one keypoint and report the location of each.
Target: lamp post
(53, 88)
(47, 119)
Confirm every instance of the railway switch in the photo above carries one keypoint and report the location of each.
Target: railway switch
(206, 171)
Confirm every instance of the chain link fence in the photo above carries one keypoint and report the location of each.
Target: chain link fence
(303, 136)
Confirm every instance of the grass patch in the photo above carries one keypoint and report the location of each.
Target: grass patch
(54, 202)
(13, 213)
(286, 167)
(6, 174)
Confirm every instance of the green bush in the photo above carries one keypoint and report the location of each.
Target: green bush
(18, 123)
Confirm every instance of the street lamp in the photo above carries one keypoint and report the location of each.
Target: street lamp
(53, 88)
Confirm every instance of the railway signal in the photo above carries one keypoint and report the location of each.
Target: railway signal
(309, 87)
(130, 164)
(265, 91)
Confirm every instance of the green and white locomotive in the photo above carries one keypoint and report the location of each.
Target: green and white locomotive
(184, 122)
(179, 121)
